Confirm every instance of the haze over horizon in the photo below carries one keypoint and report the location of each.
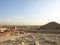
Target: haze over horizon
(29, 12)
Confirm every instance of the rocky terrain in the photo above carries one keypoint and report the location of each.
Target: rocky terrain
(31, 39)
(48, 34)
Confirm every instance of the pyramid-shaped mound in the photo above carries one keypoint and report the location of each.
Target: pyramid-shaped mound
(51, 26)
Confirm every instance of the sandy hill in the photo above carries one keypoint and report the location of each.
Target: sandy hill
(51, 26)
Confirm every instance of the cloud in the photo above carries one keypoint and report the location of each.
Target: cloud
(12, 20)
(17, 17)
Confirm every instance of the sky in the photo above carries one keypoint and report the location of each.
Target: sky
(29, 12)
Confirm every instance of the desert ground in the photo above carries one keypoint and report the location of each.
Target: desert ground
(28, 35)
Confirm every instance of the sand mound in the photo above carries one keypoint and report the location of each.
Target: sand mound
(51, 26)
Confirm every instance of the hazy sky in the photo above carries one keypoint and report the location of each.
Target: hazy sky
(34, 12)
